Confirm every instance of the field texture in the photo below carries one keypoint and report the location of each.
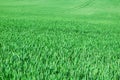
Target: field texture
(59, 39)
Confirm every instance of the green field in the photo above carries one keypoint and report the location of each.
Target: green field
(59, 39)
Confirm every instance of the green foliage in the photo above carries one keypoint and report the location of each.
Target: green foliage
(59, 40)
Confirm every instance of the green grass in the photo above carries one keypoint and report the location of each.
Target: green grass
(59, 40)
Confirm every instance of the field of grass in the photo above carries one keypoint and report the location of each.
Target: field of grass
(59, 39)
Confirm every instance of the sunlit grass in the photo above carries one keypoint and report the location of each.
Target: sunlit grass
(59, 42)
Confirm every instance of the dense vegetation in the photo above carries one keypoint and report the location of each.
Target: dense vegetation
(59, 40)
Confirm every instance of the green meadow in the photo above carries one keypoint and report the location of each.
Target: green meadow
(59, 39)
